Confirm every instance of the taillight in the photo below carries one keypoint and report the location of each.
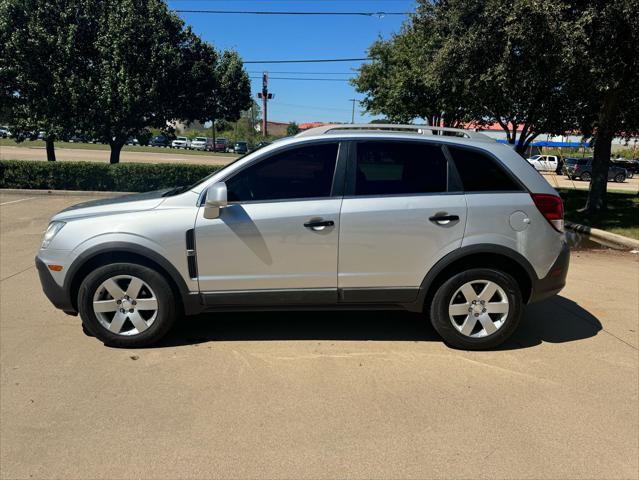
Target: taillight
(552, 208)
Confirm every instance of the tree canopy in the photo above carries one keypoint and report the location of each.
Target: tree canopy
(112, 68)
(477, 62)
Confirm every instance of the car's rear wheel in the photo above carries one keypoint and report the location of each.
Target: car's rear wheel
(620, 178)
(126, 305)
(585, 176)
(477, 309)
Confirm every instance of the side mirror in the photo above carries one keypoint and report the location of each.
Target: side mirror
(215, 199)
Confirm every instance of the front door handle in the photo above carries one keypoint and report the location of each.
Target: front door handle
(319, 225)
(443, 219)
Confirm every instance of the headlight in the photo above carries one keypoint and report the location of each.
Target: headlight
(52, 231)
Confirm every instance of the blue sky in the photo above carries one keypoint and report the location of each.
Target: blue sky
(261, 37)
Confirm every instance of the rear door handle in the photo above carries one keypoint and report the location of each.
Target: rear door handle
(443, 219)
(318, 225)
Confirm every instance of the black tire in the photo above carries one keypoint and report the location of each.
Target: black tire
(585, 177)
(166, 310)
(439, 309)
(620, 178)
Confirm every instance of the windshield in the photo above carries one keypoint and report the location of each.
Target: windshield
(535, 157)
(181, 138)
(200, 139)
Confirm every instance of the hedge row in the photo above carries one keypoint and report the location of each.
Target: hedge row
(121, 177)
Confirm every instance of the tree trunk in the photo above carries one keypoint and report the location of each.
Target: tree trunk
(599, 184)
(50, 149)
(116, 148)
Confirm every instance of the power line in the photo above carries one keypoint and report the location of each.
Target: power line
(313, 107)
(322, 60)
(270, 12)
(307, 79)
(304, 73)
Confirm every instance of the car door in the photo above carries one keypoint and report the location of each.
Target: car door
(278, 234)
(402, 212)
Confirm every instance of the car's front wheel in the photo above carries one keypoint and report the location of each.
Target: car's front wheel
(585, 177)
(477, 309)
(126, 305)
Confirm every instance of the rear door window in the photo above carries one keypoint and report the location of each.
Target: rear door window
(396, 168)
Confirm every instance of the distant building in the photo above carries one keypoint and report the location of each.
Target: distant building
(277, 129)
(306, 126)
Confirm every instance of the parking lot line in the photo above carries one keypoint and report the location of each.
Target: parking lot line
(17, 201)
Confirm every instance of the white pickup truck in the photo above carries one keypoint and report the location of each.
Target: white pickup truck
(544, 163)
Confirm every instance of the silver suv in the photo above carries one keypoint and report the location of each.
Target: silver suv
(440, 221)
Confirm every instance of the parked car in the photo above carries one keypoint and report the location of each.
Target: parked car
(132, 141)
(544, 163)
(631, 166)
(181, 142)
(41, 134)
(220, 144)
(581, 169)
(202, 143)
(160, 141)
(240, 148)
(264, 233)
(5, 132)
(79, 138)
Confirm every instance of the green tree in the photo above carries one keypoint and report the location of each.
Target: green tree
(234, 90)
(148, 69)
(41, 66)
(476, 61)
(111, 69)
(605, 80)
(292, 129)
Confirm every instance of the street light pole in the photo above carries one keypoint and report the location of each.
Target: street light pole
(353, 113)
(265, 96)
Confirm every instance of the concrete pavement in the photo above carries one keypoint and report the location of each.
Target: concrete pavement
(316, 395)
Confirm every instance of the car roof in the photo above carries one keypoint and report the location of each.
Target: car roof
(490, 144)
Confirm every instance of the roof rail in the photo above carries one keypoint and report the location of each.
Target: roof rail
(419, 129)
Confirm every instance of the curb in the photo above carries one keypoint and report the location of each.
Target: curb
(63, 193)
(608, 239)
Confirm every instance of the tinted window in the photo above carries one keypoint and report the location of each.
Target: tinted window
(387, 168)
(480, 173)
(304, 172)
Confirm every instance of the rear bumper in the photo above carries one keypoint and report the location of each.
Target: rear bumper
(56, 294)
(552, 283)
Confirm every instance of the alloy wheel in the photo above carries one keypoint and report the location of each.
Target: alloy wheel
(125, 305)
(478, 308)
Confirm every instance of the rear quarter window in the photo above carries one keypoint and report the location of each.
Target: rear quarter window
(479, 172)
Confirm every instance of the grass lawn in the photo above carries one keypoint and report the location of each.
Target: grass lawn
(622, 216)
(99, 146)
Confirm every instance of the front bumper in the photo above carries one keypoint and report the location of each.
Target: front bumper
(57, 295)
(555, 280)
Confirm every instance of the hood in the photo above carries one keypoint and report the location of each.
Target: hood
(110, 206)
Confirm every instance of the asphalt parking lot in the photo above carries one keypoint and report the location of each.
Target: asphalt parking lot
(315, 395)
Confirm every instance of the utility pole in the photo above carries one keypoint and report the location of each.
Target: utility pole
(353, 114)
(265, 96)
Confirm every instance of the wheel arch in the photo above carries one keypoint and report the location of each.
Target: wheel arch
(478, 256)
(115, 252)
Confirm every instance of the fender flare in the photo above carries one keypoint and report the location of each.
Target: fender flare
(190, 300)
(466, 251)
